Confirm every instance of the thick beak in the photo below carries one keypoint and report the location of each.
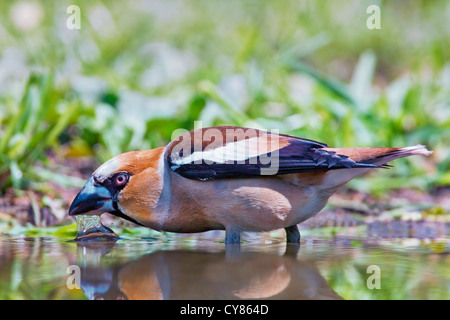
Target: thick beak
(92, 200)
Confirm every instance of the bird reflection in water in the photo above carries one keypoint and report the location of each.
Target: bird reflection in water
(187, 274)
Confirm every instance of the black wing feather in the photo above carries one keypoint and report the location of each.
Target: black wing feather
(300, 155)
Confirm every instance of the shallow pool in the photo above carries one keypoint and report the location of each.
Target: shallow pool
(204, 268)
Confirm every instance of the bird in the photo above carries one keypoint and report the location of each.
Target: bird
(228, 178)
(184, 274)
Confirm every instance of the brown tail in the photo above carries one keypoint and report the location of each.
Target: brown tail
(381, 156)
(377, 156)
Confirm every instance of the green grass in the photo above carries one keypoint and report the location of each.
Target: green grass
(34, 124)
(134, 73)
(137, 71)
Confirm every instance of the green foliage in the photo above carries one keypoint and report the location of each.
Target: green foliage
(403, 275)
(129, 83)
(137, 71)
(33, 124)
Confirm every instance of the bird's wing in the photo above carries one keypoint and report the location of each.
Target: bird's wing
(231, 152)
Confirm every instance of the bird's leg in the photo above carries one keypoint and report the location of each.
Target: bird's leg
(292, 234)
(232, 236)
(232, 251)
(292, 249)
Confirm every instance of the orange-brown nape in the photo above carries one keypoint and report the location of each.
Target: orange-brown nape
(142, 192)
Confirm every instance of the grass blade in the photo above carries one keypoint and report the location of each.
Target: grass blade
(336, 87)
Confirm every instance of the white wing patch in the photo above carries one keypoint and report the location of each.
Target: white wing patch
(232, 152)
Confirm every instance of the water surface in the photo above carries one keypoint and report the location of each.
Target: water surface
(183, 268)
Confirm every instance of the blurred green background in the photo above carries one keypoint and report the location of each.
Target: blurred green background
(136, 71)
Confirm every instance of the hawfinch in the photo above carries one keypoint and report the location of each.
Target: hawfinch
(228, 178)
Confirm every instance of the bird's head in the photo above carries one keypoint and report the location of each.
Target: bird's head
(127, 186)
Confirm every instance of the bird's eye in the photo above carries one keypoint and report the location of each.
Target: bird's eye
(120, 179)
